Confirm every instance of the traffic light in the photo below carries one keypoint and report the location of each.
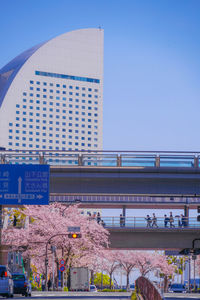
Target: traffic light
(188, 251)
(185, 251)
(74, 235)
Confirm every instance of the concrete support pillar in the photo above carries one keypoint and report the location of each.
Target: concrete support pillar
(157, 162)
(124, 211)
(119, 162)
(3, 159)
(186, 211)
(196, 162)
(41, 159)
(80, 160)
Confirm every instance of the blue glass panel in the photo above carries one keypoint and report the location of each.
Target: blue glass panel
(71, 77)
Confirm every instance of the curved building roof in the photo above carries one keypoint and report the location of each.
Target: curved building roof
(9, 71)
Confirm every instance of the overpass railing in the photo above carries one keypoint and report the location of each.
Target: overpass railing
(144, 222)
(103, 158)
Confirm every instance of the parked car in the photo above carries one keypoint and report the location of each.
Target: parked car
(93, 288)
(21, 284)
(177, 288)
(6, 282)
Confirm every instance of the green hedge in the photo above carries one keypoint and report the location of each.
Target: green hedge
(112, 290)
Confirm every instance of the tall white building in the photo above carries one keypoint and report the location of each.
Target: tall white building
(51, 96)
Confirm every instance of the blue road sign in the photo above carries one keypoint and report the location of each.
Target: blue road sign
(62, 268)
(24, 184)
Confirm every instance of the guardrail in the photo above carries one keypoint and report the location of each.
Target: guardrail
(103, 158)
(143, 222)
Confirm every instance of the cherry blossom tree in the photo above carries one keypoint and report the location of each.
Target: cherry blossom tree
(127, 261)
(166, 269)
(145, 262)
(49, 226)
(110, 262)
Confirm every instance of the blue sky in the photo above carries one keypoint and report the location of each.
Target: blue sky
(151, 63)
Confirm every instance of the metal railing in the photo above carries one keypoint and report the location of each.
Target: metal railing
(137, 159)
(136, 223)
(143, 222)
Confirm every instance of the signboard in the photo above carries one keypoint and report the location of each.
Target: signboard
(62, 262)
(73, 229)
(62, 268)
(24, 184)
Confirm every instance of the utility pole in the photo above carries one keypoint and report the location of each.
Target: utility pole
(53, 249)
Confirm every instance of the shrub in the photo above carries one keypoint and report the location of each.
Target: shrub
(110, 290)
(134, 296)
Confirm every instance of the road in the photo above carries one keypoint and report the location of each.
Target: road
(77, 295)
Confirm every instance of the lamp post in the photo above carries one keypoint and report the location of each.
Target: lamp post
(46, 258)
(74, 236)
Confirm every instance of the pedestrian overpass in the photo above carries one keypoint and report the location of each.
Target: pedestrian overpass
(118, 179)
(135, 233)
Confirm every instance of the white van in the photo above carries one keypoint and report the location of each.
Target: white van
(6, 282)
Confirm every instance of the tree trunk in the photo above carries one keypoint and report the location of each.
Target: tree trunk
(92, 277)
(165, 284)
(57, 267)
(127, 281)
(110, 280)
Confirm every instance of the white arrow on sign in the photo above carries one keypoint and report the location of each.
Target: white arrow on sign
(19, 189)
(39, 196)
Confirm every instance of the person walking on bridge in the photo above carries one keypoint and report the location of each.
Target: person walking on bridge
(171, 220)
(154, 221)
(148, 219)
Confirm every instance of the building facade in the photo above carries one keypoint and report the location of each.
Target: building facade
(51, 96)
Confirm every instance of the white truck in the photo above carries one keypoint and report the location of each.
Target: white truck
(79, 279)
